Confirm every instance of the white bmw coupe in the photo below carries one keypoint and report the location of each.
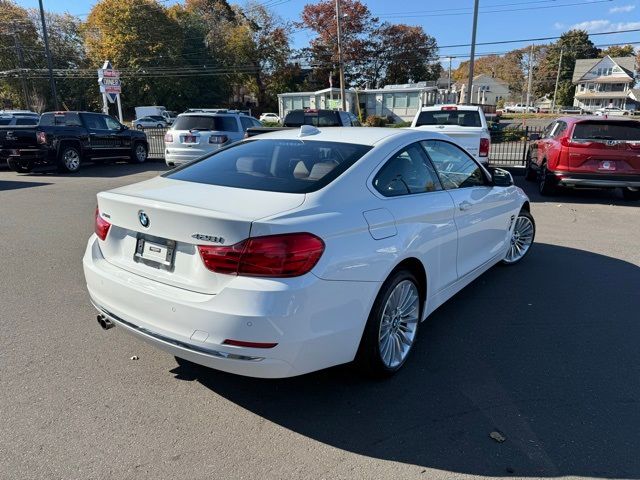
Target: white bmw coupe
(302, 249)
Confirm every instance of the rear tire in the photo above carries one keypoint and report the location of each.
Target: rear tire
(392, 326)
(69, 159)
(160, 125)
(18, 167)
(138, 127)
(546, 183)
(529, 173)
(632, 195)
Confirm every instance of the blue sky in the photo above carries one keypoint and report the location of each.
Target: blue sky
(450, 22)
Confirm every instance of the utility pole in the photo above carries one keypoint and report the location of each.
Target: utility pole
(52, 82)
(472, 57)
(530, 77)
(340, 62)
(449, 86)
(555, 90)
(23, 81)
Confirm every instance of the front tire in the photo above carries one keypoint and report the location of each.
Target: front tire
(69, 159)
(140, 153)
(138, 127)
(392, 327)
(522, 235)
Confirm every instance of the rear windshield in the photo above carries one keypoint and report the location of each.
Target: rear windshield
(607, 130)
(26, 121)
(5, 121)
(68, 119)
(468, 118)
(289, 166)
(317, 119)
(206, 122)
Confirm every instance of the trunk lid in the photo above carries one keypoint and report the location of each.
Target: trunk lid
(605, 147)
(177, 211)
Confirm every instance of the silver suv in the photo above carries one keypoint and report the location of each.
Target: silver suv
(195, 134)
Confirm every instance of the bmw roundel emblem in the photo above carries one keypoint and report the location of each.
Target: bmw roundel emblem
(143, 218)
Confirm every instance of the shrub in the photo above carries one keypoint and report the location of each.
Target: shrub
(373, 121)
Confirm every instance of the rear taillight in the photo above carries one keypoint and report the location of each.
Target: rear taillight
(168, 138)
(41, 137)
(574, 142)
(288, 255)
(102, 226)
(485, 144)
(218, 139)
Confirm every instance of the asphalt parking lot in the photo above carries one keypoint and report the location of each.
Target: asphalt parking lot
(546, 353)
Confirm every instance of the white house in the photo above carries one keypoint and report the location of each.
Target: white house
(400, 102)
(605, 82)
(486, 90)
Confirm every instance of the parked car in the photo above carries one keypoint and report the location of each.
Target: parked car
(317, 118)
(569, 110)
(587, 152)
(66, 139)
(520, 108)
(270, 117)
(196, 134)
(13, 120)
(9, 120)
(19, 113)
(156, 111)
(466, 123)
(612, 112)
(302, 249)
(154, 121)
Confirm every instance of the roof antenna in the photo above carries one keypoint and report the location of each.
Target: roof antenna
(307, 130)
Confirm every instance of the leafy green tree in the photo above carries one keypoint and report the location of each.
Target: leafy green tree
(575, 44)
(619, 51)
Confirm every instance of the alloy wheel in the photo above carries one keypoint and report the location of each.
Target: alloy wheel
(141, 153)
(521, 239)
(71, 159)
(399, 324)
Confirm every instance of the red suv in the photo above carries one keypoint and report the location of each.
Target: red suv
(592, 152)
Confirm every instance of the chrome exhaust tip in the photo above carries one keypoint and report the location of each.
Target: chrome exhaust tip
(104, 322)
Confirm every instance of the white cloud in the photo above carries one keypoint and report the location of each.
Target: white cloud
(622, 9)
(559, 26)
(597, 26)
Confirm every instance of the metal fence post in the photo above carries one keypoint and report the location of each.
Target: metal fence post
(526, 145)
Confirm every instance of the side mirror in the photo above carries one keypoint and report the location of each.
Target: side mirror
(534, 136)
(502, 178)
(124, 127)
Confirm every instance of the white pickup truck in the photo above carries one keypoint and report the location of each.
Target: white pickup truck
(465, 123)
(520, 108)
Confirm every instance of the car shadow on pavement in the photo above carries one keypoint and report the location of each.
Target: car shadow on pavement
(546, 353)
(11, 185)
(101, 170)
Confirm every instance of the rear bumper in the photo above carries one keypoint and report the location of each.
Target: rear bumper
(315, 323)
(597, 180)
(176, 156)
(30, 156)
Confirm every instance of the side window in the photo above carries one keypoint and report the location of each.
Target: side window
(344, 119)
(549, 130)
(354, 120)
(455, 168)
(26, 121)
(94, 122)
(255, 123)
(562, 126)
(407, 172)
(111, 123)
(230, 124)
(246, 123)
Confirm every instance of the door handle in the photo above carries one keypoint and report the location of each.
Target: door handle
(465, 206)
